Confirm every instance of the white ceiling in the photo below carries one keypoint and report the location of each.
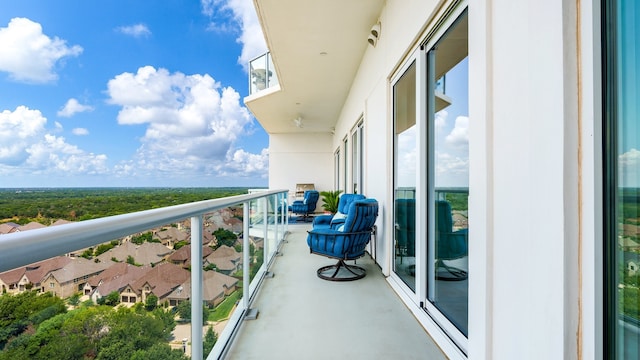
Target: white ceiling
(316, 47)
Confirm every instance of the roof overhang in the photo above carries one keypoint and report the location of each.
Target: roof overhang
(317, 47)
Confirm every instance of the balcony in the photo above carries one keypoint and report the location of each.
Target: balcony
(262, 74)
(302, 316)
(285, 311)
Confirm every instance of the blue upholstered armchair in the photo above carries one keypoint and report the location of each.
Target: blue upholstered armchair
(346, 242)
(307, 205)
(405, 227)
(450, 244)
(337, 219)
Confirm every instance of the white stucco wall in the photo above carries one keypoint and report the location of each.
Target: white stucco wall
(527, 278)
(525, 281)
(300, 159)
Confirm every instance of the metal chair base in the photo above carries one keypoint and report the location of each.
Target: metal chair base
(450, 273)
(341, 272)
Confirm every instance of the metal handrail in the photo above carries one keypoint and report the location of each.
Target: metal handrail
(27, 247)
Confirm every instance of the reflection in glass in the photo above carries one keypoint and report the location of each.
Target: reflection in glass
(449, 156)
(404, 107)
(623, 184)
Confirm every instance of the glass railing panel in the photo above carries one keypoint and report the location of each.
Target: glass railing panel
(262, 73)
(219, 311)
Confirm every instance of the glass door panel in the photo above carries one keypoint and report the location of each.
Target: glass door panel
(448, 159)
(404, 107)
(622, 179)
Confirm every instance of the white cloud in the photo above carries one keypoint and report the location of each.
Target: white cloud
(459, 136)
(441, 119)
(55, 155)
(26, 146)
(80, 131)
(18, 130)
(629, 169)
(192, 124)
(137, 30)
(631, 157)
(28, 55)
(73, 107)
(244, 14)
(407, 158)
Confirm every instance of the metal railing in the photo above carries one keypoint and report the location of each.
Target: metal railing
(262, 216)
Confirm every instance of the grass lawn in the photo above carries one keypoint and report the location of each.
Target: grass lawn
(223, 310)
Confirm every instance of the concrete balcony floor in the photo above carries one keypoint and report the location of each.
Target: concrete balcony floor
(304, 317)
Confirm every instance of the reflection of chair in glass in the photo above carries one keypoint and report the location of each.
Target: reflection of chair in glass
(405, 227)
(337, 219)
(346, 242)
(307, 205)
(450, 244)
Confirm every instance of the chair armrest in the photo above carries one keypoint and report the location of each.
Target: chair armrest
(322, 220)
(335, 223)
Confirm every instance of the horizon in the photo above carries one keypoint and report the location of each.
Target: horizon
(123, 94)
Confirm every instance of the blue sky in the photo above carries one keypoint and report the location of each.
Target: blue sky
(128, 93)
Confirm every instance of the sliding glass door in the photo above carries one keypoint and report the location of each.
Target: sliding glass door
(405, 176)
(621, 87)
(448, 173)
(431, 176)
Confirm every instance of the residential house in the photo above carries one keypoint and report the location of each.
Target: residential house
(31, 226)
(632, 261)
(171, 235)
(224, 219)
(182, 256)
(61, 222)
(117, 277)
(30, 277)
(160, 281)
(72, 277)
(145, 254)
(9, 227)
(226, 259)
(216, 287)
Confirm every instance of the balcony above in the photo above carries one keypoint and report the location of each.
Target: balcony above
(317, 47)
(262, 74)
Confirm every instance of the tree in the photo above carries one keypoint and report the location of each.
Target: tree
(112, 299)
(225, 237)
(74, 299)
(210, 339)
(131, 260)
(184, 311)
(87, 254)
(151, 303)
(179, 244)
(158, 351)
(103, 248)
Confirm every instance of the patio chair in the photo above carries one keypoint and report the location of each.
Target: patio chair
(450, 244)
(307, 205)
(346, 242)
(337, 219)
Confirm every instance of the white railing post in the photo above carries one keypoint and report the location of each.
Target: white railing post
(276, 223)
(265, 229)
(196, 288)
(246, 267)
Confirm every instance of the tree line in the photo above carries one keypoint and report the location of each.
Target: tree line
(76, 204)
